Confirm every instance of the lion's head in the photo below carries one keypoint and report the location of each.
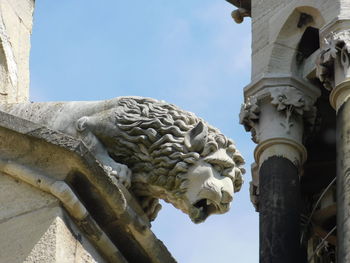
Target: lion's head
(173, 155)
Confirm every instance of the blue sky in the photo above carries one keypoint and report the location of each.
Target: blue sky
(189, 53)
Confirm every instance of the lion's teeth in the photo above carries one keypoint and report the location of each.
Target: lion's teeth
(208, 202)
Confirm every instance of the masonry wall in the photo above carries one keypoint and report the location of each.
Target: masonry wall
(271, 55)
(16, 20)
(34, 228)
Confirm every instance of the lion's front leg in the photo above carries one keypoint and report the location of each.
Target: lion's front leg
(111, 167)
(85, 127)
(120, 171)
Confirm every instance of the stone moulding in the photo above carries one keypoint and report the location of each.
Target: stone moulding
(70, 201)
(288, 146)
(263, 82)
(282, 141)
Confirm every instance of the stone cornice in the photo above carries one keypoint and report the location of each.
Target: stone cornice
(258, 86)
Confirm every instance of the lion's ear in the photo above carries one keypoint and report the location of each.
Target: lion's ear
(82, 124)
(197, 137)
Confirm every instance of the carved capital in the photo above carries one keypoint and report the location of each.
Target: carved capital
(278, 118)
(334, 57)
(290, 99)
(287, 101)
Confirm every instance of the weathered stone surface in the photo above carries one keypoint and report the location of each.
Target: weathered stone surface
(343, 179)
(44, 235)
(114, 210)
(276, 35)
(34, 227)
(172, 153)
(19, 198)
(75, 162)
(281, 113)
(16, 18)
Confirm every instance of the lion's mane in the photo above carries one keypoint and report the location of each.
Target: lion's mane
(150, 140)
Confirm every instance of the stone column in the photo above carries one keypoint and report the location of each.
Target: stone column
(333, 69)
(276, 117)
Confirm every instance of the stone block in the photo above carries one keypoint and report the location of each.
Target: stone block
(18, 198)
(46, 235)
(34, 228)
(24, 10)
(274, 26)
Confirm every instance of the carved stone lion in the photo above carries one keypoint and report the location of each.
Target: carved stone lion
(154, 148)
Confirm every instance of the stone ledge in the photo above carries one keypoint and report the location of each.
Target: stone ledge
(110, 204)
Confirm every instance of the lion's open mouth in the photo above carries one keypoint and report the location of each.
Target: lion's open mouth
(202, 209)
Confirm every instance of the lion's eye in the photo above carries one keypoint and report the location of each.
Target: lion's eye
(218, 168)
(228, 173)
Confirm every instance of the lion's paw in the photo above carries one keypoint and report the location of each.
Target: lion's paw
(151, 207)
(121, 172)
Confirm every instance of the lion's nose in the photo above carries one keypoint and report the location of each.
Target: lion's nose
(226, 197)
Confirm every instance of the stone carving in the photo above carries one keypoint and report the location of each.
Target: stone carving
(335, 45)
(287, 100)
(153, 147)
(239, 14)
(249, 116)
(244, 10)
